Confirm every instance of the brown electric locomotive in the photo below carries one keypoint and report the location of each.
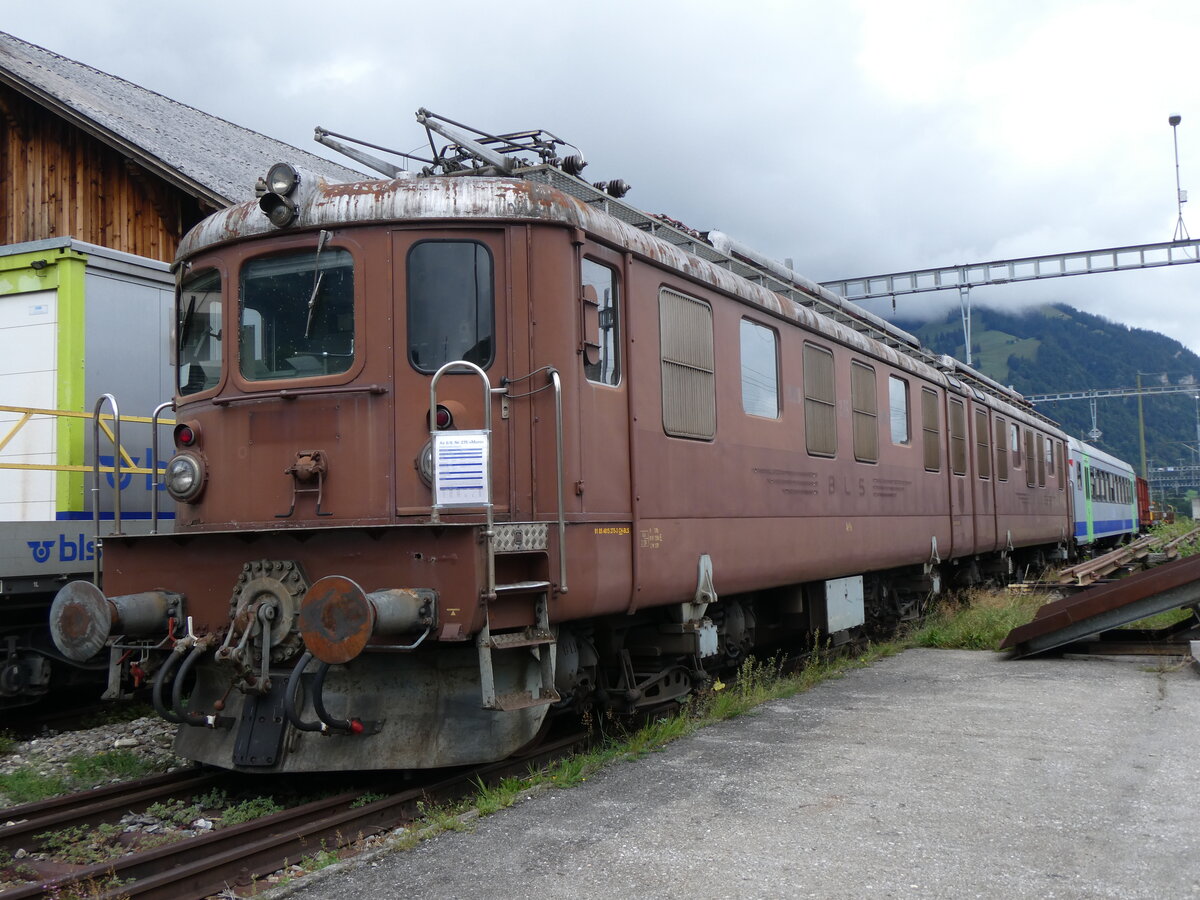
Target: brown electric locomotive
(459, 449)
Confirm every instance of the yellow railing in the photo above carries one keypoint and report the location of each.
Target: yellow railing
(29, 413)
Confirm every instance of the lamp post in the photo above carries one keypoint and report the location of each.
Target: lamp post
(1181, 232)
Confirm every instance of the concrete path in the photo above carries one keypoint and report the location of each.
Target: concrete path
(932, 774)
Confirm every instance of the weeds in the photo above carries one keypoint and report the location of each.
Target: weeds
(979, 620)
(27, 785)
(83, 845)
(174, 812)
(322, 859)
(495, 797)
(249, 810)
(102, 766)
(367, 799)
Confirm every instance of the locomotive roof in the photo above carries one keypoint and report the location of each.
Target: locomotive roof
(322, 204)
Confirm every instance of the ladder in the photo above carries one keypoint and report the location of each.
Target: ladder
(539, 638)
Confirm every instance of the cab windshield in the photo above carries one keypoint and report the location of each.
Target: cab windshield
(297, 315)
(199, 332)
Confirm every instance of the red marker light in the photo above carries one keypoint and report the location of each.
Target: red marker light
(444, 419)
(185, 435)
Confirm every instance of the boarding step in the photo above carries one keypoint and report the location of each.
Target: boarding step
(538, 638)
(529, 637)
(522, 587)
(525, 700)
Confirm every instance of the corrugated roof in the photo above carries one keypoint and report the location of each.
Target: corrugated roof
(168, 138)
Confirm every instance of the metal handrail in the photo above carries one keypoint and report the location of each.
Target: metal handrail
(556, 383)
(116, 439)
(434, 516)
(154, 423)
(30, 413)
(558, 449)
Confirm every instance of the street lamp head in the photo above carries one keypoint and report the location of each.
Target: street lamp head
(1175, 120)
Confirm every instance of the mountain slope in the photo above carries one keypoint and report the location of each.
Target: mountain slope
(1057, 348)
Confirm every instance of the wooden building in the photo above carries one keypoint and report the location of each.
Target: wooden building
(87, 155)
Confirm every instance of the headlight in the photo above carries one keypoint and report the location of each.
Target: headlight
(280, 210)
(185, 477)
(425, 464)
(282, 179)
(280, 183)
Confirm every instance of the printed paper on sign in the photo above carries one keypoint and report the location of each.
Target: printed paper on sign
(460, 469)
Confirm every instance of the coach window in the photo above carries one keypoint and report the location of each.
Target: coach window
(865, 405)
(898, 409)
(931, 432)
(1001, 450)
(958, 437)
(760, 370)
(602, 339)
(820, 410)
(297, 315)
(983, 455)
(689, 401)
(450, 304)
(199, 332)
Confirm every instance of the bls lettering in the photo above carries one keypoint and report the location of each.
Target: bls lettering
(73, 548)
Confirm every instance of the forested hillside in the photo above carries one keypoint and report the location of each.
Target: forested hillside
(1056, 348)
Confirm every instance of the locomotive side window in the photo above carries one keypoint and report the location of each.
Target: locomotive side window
(1041, 457)
(898, 409)
(199, 332)
(983, 455)
(820, 410)
(451, 307)
(1001, 450)
(931, 431)
(689, 400)
(1014, 445)
(602, 348)
(864, 402)
(958, 437)
(297, 315)
(760, 370)
(1031, 460)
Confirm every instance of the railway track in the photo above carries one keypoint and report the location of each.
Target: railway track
(229, 858)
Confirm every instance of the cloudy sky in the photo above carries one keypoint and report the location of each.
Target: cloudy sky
(855, 137)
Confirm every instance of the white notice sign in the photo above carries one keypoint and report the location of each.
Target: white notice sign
(460, 469)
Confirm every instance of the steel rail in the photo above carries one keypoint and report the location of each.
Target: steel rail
(202, 866)
(94, 806)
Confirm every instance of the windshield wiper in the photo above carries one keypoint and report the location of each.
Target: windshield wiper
(185, 326)
(322, 240)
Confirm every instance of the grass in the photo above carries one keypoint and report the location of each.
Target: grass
(102, 766)
(26, 784)
(979, 620)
